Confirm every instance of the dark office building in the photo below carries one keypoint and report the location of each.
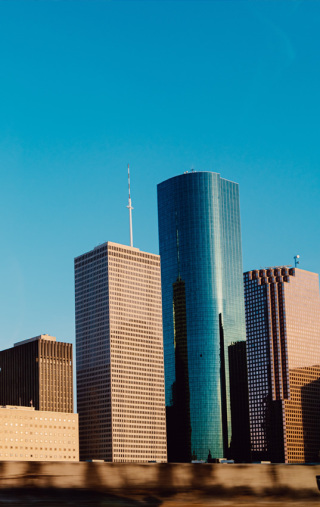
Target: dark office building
(283, 346)
(178, 415)
(38, 373)
(239, 400)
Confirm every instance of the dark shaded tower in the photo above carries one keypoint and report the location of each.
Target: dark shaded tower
(37, 372)
(239, 398)
(204, 209)
(178, 413)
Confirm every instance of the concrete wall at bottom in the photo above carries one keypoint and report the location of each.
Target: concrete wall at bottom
(295, 481)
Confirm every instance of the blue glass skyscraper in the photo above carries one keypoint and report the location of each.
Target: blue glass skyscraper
(203, 309)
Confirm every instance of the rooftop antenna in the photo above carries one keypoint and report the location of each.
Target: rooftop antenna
(130, 208)
(296, 260)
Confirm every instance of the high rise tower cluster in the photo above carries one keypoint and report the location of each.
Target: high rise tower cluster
(225, 397)
(180, 357)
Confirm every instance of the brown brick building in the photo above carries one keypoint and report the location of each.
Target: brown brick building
(38, 373)
(283, 345)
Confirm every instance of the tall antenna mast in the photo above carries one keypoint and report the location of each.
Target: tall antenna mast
(130, 208)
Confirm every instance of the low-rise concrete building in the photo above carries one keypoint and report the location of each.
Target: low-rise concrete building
(27, 434)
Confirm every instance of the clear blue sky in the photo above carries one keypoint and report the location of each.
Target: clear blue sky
(88, 86)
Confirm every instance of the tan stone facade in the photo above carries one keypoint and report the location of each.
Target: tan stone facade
(27, 434)
(120, 378)
(55, 376)
(302, 408)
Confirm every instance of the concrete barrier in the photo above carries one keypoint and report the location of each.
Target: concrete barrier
(219, 480)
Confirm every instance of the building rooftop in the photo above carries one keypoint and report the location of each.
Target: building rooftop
(36, 338)
(118, 245)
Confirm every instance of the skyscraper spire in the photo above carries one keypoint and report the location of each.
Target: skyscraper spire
(130, 208)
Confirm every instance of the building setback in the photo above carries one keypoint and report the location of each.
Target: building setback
(203, 309)
(38, 373)
(283, 344)
(120, 379)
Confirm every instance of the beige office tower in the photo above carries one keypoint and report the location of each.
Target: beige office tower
(283, 350)
(120, 377)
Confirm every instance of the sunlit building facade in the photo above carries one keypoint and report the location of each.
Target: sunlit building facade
(283, 346)
(27, 434)
(119, 348)
(203, 309)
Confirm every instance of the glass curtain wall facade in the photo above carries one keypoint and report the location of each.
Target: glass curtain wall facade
(283, 343)
(203, 309)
